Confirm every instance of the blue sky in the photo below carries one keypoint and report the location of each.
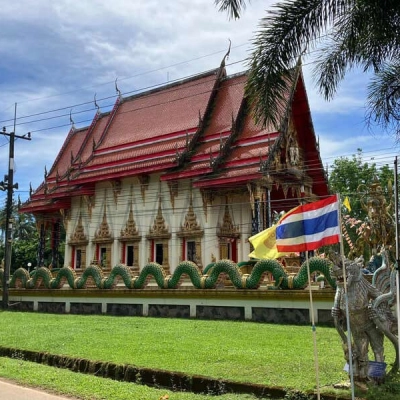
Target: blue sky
(59, 55)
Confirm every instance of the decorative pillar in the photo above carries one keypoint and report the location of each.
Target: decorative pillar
(55, 243)
(42, 244)
(255, 223)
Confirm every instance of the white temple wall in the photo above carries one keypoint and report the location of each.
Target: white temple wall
(113, 203)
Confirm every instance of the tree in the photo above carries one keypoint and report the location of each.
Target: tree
(347, 174)
(344, 33)
(26, 239)
(352, 178)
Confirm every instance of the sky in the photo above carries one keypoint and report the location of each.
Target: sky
(57, 57)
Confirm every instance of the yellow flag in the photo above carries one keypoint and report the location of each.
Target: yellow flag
(346, 203)
(264, 244)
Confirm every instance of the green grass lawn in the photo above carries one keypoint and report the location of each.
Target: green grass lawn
(274, 355)
(90, 387)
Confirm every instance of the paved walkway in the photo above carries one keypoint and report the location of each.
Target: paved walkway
(11, 391)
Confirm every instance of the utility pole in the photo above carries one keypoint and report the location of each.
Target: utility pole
(8, 184)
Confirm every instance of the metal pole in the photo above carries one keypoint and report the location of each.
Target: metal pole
(9, 184)
(8, 239)
(349, 346)
(396, 219)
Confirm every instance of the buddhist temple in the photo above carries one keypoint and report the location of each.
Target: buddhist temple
(180, 172)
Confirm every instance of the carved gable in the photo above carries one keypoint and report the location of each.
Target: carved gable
(190, 227)
(130, 232)
(228, 229)
(103, 233)
(159, 229)
(78, 238)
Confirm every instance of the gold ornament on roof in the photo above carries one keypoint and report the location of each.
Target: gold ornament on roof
(159, 226)
(130, 231)
(103, 233)
(79, 237)
(228, 229)
(190, 226)
(104, 229)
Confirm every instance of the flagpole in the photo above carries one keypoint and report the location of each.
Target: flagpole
(396, 219)
(314, 330)
(346, 299)
(311, 227)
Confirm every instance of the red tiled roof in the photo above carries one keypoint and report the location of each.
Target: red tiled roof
(178, 130)
(45, 205)
(71, 145)
(147, 116)
(149, 128)
(93, 136)
(226, 107)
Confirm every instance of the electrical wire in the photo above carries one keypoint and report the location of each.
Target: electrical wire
(109, 105)
(140, 90)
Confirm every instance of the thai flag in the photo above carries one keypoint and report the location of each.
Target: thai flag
(309, 226)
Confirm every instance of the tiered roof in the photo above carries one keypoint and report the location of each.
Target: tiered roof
(199, 128)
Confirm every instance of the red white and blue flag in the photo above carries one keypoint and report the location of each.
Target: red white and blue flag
(309, 226)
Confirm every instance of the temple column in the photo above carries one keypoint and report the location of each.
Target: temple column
(42, 245)
(255, 198)
(55, 243)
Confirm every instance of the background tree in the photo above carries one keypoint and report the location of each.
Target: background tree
(344, 34)
(347, 174)
(346, 177)
(25, 240)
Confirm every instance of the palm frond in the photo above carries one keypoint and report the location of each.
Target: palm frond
(234, 7)
(360, 37)
(362, 33)
(289, 29)
(384, 99)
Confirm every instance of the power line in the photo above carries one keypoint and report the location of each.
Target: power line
(140, 90)
(9, 185)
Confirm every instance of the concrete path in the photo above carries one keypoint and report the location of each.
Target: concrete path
(11, 391)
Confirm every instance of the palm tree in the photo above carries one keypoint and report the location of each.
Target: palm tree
(344, 34)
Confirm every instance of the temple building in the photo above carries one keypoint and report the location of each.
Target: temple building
(180, 172)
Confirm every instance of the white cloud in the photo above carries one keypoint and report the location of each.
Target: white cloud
(59, 54)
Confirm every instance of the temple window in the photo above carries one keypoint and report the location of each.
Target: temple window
(228, 234)
(158, 238)
(159, 253)
(130, 240)
(191, 234)
(103, 256)
(103, 239)
(228, 249)
(78, 242)
(129, 255)
(191, 251)
(78, 258)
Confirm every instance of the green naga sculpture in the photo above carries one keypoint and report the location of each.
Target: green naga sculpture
(208, 279)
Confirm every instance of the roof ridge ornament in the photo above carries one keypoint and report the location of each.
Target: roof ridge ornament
(117, 89)
(200, 118)
(71, 120)
(212, 159)
(96, 105)
(187, 140)
(226, 56)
